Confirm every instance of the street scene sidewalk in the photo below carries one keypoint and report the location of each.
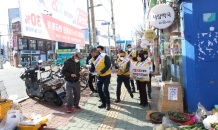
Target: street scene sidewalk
(125, 115)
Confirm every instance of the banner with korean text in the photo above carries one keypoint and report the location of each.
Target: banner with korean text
(35, 22)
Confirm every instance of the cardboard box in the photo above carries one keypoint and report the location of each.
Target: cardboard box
(165, 105)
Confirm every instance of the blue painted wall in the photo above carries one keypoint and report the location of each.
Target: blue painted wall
(200, 53)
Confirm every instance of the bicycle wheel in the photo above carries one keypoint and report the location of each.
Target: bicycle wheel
(83, 83)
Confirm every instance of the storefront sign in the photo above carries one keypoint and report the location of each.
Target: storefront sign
(36, 23)
(10, 41)
(161, 16)
(63, 50)
(149, 35)
(15, 42)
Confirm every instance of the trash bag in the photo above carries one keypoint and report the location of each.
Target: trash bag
(210, 120)
(201, 113)
(11, 120)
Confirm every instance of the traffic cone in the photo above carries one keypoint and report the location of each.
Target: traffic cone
(28, 65)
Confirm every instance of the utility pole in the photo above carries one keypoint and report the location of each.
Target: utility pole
(113, 24)
(90, 41)
(93, 24)
(109, 40)
(1, 56)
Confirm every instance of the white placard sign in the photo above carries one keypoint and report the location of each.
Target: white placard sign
(172, 93)
(141, 73)
(161, 16)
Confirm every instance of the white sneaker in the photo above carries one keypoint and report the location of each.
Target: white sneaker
(96, 95)
(91, 93)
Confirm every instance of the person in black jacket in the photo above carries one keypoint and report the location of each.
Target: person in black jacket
(149, 83)
(91, 77)
(101, 65)
(71, 72)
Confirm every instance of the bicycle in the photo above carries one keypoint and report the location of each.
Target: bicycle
(84, 78)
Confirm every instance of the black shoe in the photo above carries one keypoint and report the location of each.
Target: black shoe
(108, 107)
(149, 96)
(102, 106)
(133, 91)
(131, 95)
(130, 92)
(140, 103)
(117, 100)
(99, 100)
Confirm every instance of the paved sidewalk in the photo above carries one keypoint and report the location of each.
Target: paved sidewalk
(126, 115)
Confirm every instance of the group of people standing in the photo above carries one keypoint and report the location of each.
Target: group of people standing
(101, 66)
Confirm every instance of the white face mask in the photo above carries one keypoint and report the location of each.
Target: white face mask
(129, 49)
(145, 56)
(76, 60)
(121, 58)
(139, 59)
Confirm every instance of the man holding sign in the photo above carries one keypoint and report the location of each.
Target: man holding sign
(133, 58)
(101, 65)
(123, 75)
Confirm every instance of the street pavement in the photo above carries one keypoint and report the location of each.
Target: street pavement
(126, 115)
(10, 77)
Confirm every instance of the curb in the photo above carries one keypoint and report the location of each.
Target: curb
(22, 99)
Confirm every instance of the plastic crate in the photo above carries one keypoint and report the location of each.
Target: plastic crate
(5, 106)
(22, 127)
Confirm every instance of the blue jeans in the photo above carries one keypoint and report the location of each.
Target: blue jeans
(121, 80)
(102, 87)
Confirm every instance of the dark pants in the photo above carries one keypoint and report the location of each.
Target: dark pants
(132, 84)
(149, 84)
(91, 78)
(121, 80)
(142, 92)
(102, 86)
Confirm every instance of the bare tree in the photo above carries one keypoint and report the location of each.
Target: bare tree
(138, 33)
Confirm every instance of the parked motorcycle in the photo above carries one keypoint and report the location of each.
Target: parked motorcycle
(50, 89)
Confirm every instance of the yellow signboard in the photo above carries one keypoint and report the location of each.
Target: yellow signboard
(150, 35)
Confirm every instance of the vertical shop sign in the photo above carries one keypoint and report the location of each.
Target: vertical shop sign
(15, 42)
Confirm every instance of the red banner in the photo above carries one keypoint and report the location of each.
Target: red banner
(60, 31)
(82, 19)
(15, 41)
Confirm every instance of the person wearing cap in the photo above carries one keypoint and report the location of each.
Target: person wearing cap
(71, 72)
(149, 82)
(101, 65)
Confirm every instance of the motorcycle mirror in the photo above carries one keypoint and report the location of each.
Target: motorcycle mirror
(40, 61)
(42, 69)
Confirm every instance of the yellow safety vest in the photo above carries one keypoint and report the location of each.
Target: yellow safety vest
(137, 63)
(101, 66)
(124, 67)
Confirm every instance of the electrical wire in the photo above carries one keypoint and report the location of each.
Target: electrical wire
(105, 7)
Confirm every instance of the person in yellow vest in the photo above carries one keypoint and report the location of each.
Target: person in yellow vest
(123, 75)
(141, 84)
(101, 65)
(133, 59)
